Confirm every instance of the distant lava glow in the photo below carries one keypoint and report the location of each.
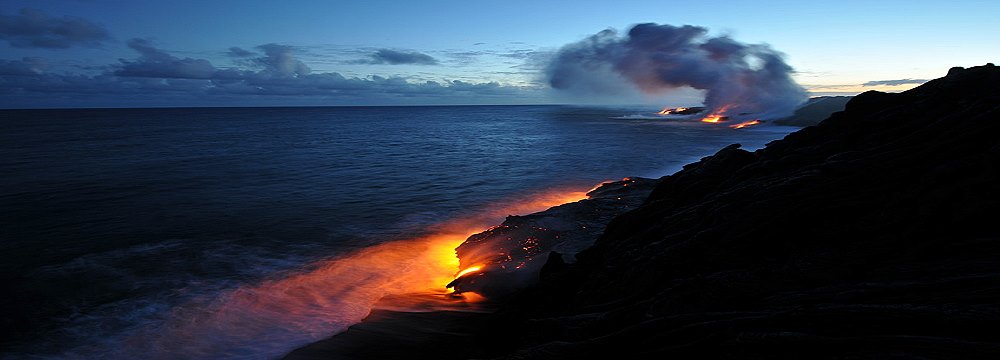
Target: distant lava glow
(668, 111)
(717, 116)
(745, 124)
(714, 119)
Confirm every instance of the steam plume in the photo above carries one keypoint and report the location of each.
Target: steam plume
(737, 78)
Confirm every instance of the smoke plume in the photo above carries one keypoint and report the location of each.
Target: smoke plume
(737, 78)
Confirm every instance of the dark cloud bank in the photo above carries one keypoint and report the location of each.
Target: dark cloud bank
(34, 29)
(274, 74)
(738, 77)
(395, 57)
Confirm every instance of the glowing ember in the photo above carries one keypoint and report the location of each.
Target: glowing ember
(668, 111)
(717, 116)
(468, 270)
(714, 118)
(745, 124)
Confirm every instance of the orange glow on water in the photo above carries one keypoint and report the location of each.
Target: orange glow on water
(745, 124)
(326, 297)
(473, 297)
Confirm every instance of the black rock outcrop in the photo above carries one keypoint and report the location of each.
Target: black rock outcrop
(872, 235)
(511, 256)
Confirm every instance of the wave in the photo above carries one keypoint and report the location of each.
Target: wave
(272, 317)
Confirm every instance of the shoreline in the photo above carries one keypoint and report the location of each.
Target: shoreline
(387, 334)
(401, 323)
(868, 235)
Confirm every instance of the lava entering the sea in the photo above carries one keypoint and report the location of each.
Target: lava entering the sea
(668, 111)
(328, 296)
(745, 124)
(714, 118)
(717, 116)
(680, 110)
(468, 270)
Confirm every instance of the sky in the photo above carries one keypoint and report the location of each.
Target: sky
(126, 53)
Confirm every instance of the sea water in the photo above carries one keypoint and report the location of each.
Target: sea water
(247, 232)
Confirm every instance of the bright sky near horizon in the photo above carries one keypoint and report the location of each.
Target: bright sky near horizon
(96, 53)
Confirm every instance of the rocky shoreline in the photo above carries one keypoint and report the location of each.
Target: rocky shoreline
(510, 257)
(870, 235)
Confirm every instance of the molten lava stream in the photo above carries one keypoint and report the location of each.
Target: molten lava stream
(713, 119)
(668, 111)
(719, 115)
(266, 319)
(745, 124)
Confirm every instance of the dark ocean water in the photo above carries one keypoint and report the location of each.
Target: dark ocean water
(114, 222)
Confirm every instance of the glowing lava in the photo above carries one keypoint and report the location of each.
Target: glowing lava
(717, 116)
(668, 111)
(468, 270)
(326, 297)
(598, 186)
(745, 124)
(714, 118)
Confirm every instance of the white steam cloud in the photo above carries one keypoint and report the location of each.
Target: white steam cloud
(737, 78)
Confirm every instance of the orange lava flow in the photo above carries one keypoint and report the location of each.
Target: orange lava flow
(468, 270)
(719, 115)
(713, 119)
(668, 111)
(330, 295)
(745, 124)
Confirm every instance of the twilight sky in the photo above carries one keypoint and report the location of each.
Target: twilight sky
(111, 53)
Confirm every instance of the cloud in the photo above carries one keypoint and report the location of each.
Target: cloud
(894, 82)
(156, 63)
(157, 77)
(279, 61)
(737, 78)
(395, 57)
(240, 52)
(34, 29)
(25, 66)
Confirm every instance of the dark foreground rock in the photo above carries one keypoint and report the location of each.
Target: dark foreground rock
(871, 235)
(387, 334)
(510, 256)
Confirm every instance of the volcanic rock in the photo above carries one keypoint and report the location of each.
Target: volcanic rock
(511, 254)
(870, 235)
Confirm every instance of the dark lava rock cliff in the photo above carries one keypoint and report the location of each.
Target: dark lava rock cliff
(510, 256)
(872, 235)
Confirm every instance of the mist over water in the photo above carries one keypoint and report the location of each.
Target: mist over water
(243, 233)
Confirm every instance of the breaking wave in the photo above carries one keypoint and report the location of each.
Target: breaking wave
(272, 317)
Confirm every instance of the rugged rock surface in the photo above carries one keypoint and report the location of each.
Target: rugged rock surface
(871, 235)
(510, 255)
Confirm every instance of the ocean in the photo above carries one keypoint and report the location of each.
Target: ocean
(243, 233)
